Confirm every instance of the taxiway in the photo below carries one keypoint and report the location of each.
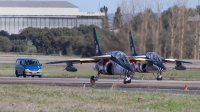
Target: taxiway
(193, 87)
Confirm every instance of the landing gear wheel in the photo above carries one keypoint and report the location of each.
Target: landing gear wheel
(32, 76)
(16, 73)
(92, 79)
(159, 77)
(125, 81)
(24, 75)
(39, 76)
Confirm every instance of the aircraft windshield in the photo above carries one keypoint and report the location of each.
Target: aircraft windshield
(32, 62)
(154, 56)
(122, 58)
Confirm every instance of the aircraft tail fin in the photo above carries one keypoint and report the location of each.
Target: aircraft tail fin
(132, 46)
(96, 43)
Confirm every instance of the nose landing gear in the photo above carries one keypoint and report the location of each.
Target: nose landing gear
(93, 79)
(127, 79)
(159, 76)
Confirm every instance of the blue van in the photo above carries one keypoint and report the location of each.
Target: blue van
(28, 67)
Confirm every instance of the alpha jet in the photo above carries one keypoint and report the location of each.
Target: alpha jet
(151, 62)
(111, 63)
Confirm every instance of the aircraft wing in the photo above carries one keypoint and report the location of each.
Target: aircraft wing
(92, 59)
(142, 58)
(138, 59)
(168, 60)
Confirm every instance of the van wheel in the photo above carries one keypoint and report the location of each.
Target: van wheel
(24, 75)
(16, 73)
(39, 76)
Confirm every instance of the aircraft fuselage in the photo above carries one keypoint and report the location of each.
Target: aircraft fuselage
(118, 64)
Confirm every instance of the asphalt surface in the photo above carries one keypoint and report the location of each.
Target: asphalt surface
(175, 87)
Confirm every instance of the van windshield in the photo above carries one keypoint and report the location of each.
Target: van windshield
(32, 62)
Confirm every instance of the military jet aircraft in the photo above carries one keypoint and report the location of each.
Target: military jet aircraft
(111, 63)
(151, 62)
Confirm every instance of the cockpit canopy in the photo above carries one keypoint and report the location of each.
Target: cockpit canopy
(121, 57)
(153, 56)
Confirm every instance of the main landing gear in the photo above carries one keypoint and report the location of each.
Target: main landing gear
(159, 76)
(93, 78)
(127, 79)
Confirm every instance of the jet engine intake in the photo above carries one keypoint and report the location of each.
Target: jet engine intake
(140, 67)
(104, 68)
(108, 68)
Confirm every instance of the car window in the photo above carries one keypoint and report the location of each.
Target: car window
(20, 62)
(17, 62)
(32, 62)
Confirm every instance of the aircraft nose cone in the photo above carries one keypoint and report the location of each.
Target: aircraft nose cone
(161, 65)
(130, 69)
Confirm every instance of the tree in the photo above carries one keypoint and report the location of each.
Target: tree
(118, 22)
(5, 44)
(105, 19)
(15, 37)
(4, 33)
(173, 21)
(42, 41)
(18, 46)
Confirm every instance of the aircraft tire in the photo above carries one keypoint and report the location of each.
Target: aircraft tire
(159, 78)
(125, 81)
(16, 73)
(24, 75)
(92, 78)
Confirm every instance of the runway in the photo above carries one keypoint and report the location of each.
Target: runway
(193, 87)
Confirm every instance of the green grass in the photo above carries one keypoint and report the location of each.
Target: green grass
(53, 98)
(87, 71)
(31, 48)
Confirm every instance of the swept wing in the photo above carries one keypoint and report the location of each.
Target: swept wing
(92, 59)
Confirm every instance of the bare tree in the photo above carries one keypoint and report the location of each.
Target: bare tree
(172, 24)
(118, 21)
(183, 18)
(157, 27)
(198, 32)
(145, 7)
(196, 37)
(128, 8)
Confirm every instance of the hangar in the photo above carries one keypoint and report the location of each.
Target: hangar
(17, 15)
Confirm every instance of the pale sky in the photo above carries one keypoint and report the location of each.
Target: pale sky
(94, 5)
